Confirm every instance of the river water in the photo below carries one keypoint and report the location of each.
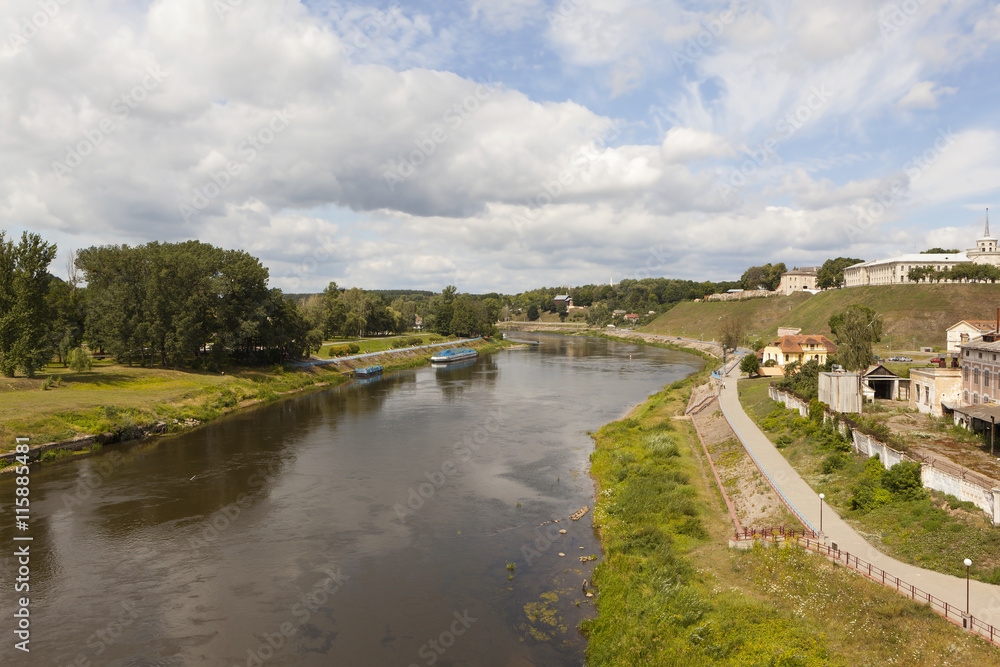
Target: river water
(368, 524)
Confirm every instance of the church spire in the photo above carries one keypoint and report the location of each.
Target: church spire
(987, 221)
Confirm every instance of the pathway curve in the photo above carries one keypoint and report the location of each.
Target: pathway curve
(984, 598)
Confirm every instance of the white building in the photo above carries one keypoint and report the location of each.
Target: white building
(798, 279)
(895, 270)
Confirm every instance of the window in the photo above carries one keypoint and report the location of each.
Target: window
(975, 376)
(975, 399)
(927, 395)
(965, 397)
(965, 373)
(918, 393)
(986, 378)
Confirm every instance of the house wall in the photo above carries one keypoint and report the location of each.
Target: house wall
(979, 377)
(928, 387)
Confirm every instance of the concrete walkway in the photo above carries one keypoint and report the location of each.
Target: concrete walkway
(984, 598)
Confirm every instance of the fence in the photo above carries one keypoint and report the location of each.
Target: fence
(938, 474)
(877, 574)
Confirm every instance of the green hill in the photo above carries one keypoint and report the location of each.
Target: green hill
(914, 315)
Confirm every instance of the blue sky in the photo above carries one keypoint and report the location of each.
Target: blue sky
(502, 145)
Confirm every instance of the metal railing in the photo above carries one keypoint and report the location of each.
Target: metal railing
(808, 540)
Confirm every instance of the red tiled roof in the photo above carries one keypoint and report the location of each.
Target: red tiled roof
(800, 343)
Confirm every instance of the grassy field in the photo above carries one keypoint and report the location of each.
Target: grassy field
(671, 592)
(113, 397)
(926, 532)
(913, 314)
(376, 344)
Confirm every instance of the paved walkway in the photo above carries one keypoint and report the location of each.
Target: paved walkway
(984, 598)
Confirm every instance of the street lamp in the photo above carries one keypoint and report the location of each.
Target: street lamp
(821, 497)
(968, 564)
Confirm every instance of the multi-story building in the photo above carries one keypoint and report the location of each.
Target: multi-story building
(966, 330)
(798, 279)
(896, 270)
(980, 360)
(801, 348)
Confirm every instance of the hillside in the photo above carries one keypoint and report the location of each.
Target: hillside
(913, 314)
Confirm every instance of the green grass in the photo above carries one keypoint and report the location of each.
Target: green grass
(912, 313)
(928, 532)
(376, 344)
(672, 593)
(113, 397)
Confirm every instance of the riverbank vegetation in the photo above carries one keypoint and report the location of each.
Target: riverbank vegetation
(672, 592)
(890, 508)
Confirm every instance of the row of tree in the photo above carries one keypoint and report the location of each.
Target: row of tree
(966, 272)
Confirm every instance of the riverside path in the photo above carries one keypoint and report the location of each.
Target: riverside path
(984, 599)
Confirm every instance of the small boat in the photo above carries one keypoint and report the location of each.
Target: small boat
(368, 371)
(454, 354)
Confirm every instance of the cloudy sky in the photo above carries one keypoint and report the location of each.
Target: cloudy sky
(501, 144)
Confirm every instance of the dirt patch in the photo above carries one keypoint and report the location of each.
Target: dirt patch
(756, 504)
(924, 438)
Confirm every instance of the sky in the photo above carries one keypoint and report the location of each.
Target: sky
(501, 145)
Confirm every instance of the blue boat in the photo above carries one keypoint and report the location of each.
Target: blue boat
(454, 354)
(368, 371)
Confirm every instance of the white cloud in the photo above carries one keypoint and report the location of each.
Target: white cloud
(684, 144)
(923, 95)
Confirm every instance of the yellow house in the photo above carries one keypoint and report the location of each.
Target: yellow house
(801, 348)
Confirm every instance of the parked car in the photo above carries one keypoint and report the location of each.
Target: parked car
(936, 360)
(900, 359)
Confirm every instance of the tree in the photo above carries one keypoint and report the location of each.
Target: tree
(79, 361)
(831, 274)
(732, 331)
(763, 277)
(920, 273)
(939, 251)
(562, 311)
(856, 330)
(532, 313)
(750, 365)
(24, 307)
(598, 315)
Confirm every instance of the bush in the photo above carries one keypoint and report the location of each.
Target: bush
(414, 340)
(903, 481)
(353, 348)
(398, 343)
(340, 350)
(770, 363)
(79, 360)
(817, 409)
(834, 462)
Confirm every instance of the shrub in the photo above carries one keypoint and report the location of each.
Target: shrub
(353, 348)
(770, 363)
(903, 481)
(817, 409)
(834, 462)
(414, 340)
(783, 441)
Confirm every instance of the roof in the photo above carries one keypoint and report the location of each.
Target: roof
(561, 297)
(878, 370)
(794, 344)
(804, 271)
(980, 344)
(917, 258)
(982, 325)
(984, 412)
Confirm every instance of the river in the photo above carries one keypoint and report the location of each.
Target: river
(367, 524)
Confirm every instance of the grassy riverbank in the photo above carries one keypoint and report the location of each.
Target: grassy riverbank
(934, 531)
(62, 404)
(671, 592)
